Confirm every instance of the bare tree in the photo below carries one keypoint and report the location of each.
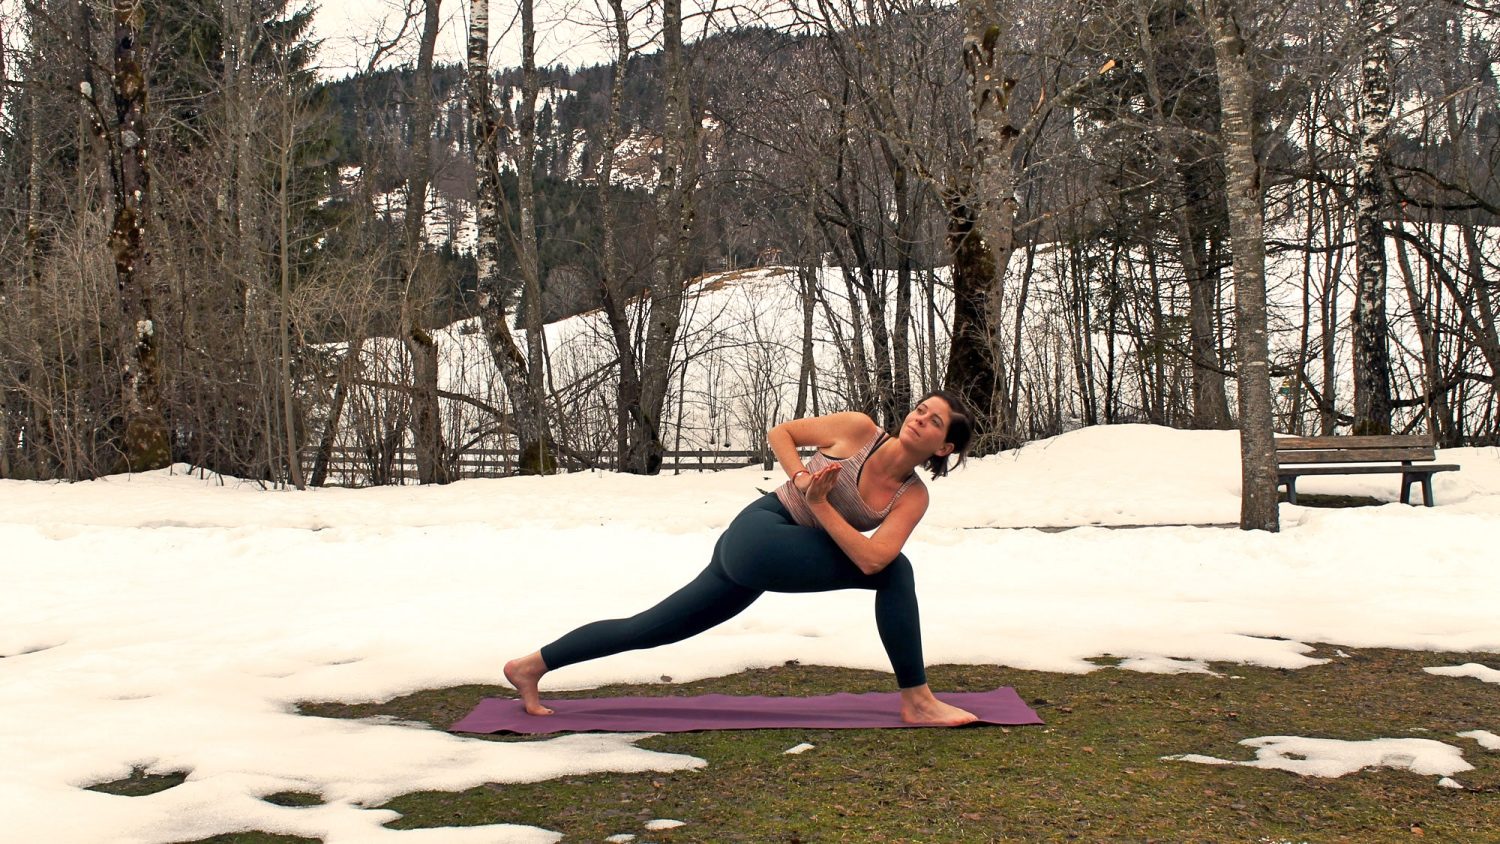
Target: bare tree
(145, 441)
(674, 221)
(536, 450)
(526, 418)
(631, 424)
(1237, 87)
(427, 432)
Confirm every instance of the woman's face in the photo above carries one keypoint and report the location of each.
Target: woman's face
(926, 427)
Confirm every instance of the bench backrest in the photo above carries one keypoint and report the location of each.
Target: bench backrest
(1352, 449)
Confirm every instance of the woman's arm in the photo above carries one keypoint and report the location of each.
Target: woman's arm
(843, 433)
(875, 552)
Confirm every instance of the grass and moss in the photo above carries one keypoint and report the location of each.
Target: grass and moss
(1305, 499)
(1095, 772)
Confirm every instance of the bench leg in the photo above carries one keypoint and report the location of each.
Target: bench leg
(1291, 490)
(1425, 479)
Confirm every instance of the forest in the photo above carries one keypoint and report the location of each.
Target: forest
(1276, 215)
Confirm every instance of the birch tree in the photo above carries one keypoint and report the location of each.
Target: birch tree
(1372, 368)
(521, 373)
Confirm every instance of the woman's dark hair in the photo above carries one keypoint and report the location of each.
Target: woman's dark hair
(960, 432)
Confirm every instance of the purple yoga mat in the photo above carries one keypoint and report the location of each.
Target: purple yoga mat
(729, 712)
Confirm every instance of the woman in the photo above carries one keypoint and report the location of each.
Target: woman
(807, 536)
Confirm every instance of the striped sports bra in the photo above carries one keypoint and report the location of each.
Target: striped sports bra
(844, 496)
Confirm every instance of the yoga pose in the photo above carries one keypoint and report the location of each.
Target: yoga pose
(807, 536)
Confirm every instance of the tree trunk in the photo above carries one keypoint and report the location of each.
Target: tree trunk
(146, 442)
(33, 234)
(536, 449)
(1258, 508)
(348, 371)
(1485, 334)
(971, 370)
(611, 285)
(807, 279)
(1439, 413)
(427, 421)
(1013, 397)
(1372, 367)
(674, 222)
(491, 223)
(1187, 196)
(427, 428)
(1210, 399)
(992, 213)
(906, 220)
(1328, 304)
(284, 247)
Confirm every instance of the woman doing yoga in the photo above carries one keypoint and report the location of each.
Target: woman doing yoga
(807, 536)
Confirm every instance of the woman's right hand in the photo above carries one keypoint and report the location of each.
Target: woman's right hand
(820, 483)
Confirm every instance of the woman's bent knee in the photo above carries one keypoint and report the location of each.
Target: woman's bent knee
(899, 573)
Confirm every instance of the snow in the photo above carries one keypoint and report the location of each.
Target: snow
(170, 621)
(447, 219)
(1486, 739)
(798, 749)
(663, 823)
(1320, 757)
(1479, 672)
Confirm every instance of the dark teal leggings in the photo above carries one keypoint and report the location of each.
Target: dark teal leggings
(763, 550)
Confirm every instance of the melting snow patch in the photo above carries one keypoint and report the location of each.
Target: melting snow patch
(1449, 782)
(1469, 669)
(1165, 665)
(1314, 757)
(1486, 739)
(622, 838)
(663, 823)
(801, 748)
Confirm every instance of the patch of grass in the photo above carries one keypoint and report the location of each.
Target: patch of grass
(1093, 773)
(1305, 499)
(140, 783)
(257, 838)
(294, 799)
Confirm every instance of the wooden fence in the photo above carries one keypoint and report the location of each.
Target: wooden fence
(358, 467)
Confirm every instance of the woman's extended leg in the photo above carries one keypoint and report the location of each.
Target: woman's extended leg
(709, 600)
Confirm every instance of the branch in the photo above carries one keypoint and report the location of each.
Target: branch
(1438, 389)
(496, 412)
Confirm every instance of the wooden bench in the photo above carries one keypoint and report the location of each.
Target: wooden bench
(1298, 456)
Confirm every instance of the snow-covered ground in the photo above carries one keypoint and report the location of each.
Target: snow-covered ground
(171, 622)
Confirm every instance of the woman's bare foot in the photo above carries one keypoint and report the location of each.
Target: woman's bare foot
(524, 673)
(918, 706)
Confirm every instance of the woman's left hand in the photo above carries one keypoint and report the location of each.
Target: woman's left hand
(822, 481)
